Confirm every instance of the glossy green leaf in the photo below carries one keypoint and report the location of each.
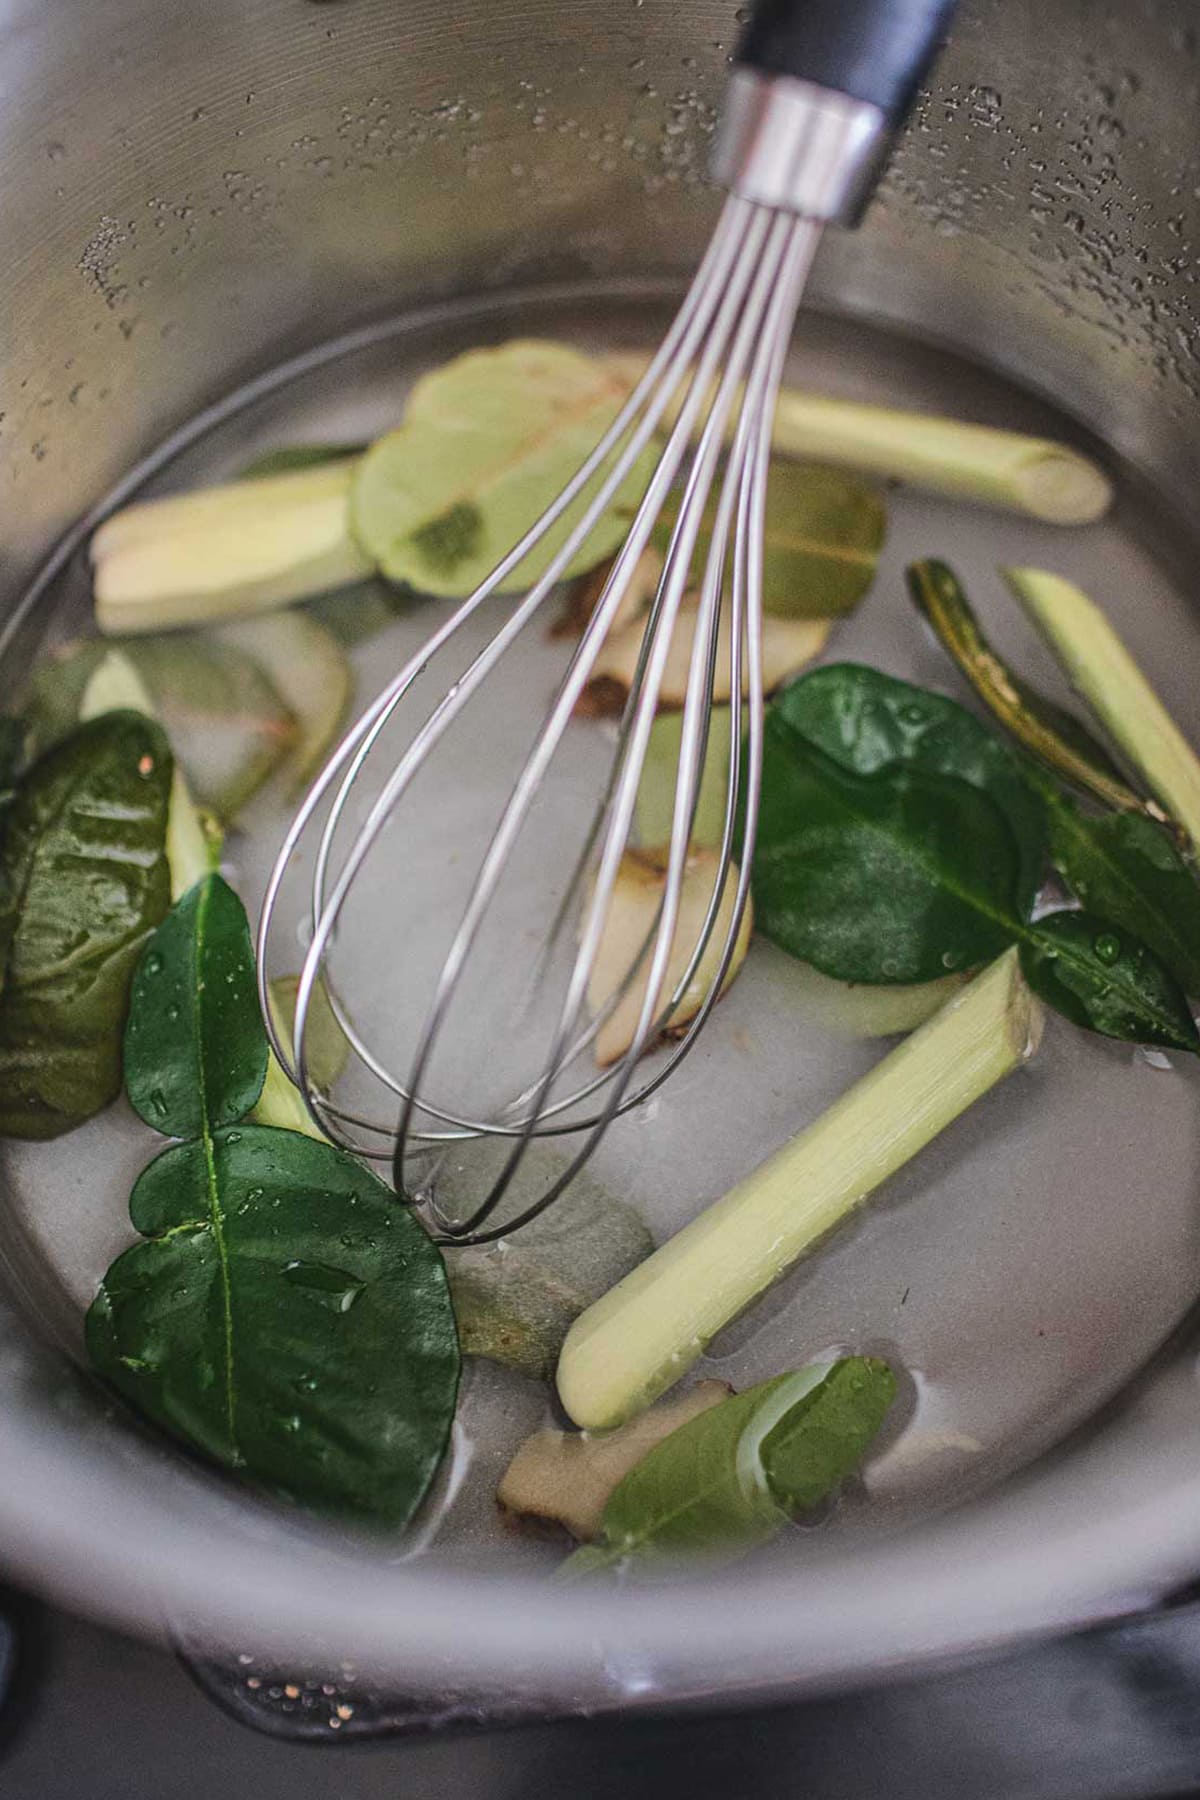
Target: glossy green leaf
(901, 876)
(731, 1478)
(288, 1318)
(1126, 869)
(896, 877)
(195, 1048)
(822, 535)
(487, 442)
(869, 722)
(1106, 980)
(83, 880)
(1059, 741)
(289, 457)
(285, 1314)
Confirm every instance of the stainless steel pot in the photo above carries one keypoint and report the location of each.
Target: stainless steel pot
(190, 194)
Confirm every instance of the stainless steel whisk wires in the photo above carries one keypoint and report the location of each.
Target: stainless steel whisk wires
(803, 154)
(743, 298)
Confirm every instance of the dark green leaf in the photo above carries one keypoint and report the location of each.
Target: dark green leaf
(285, 1315)
(1126, 869)
(898, 877)
(83, 880)
(12, 740)
(195, 1048)
(900, 872)
(1106, 980)
(290, 457)
(288, 1318)
(869, 722)
(1049, 732)
(822, 536)
(730, 1478)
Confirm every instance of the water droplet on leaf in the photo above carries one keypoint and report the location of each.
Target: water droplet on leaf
(330, 1287)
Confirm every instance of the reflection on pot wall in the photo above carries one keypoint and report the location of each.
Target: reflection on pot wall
(193, 193)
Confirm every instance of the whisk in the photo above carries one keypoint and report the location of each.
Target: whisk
(818, 91)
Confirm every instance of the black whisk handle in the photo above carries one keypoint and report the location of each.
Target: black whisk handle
(818, 92)
(875, 51)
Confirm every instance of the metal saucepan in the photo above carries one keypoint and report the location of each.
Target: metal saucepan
(191, 197)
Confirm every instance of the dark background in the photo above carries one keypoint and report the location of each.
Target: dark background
(93, 1716)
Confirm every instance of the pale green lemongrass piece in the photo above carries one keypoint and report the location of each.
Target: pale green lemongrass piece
(224, 552)
(193, 850)
(150, 521)
(646, 1332)
(1031, 475)
(1103, 672)
(280, 1103)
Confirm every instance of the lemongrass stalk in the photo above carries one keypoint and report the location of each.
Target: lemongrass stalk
(280, 1103)
(646, 1332)
(150, 521)
(192, 852)
(1101, 669)
(1032, 475)
(224, 552)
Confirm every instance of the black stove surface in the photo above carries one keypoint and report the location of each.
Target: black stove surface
(1110, 1715)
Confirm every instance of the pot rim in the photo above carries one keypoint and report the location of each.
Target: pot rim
(107, 1545)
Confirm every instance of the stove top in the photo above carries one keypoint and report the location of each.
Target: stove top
(1112, 1714)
